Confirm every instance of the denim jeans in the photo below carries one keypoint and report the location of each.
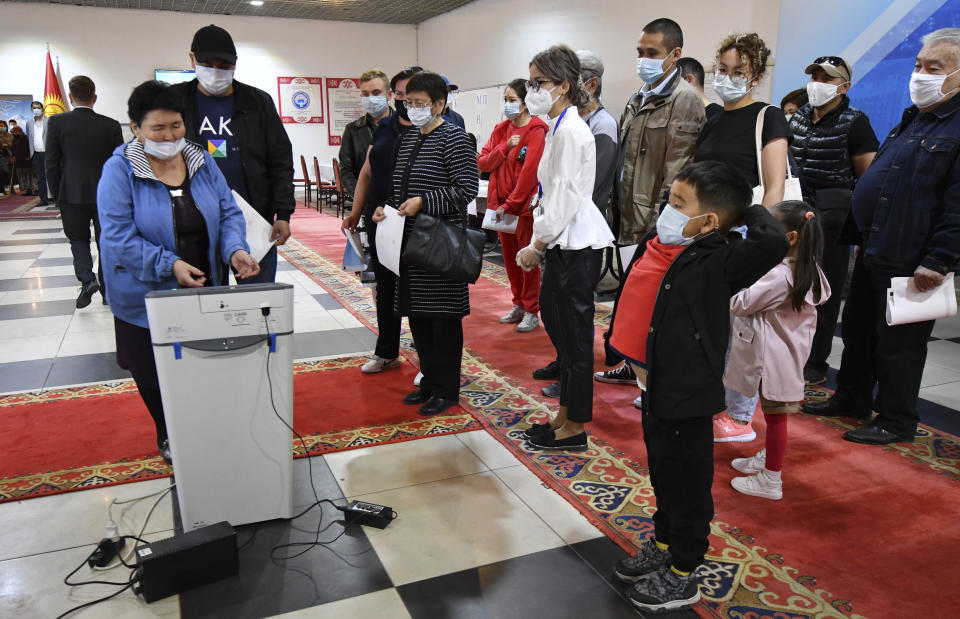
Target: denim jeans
(268, 270)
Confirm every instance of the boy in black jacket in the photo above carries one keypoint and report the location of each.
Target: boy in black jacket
(683, 358)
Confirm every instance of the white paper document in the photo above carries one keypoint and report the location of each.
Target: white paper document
(906, 304)
(507, 223)
(259, 230)
(389, 239)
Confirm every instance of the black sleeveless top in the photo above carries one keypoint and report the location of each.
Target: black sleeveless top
(190, 229)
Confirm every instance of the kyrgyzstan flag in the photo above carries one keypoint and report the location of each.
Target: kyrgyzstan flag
(52, 94)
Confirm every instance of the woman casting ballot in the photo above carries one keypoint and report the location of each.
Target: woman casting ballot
(569, 234)
(167, 219)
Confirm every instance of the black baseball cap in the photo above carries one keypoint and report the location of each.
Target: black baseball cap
(213, 43)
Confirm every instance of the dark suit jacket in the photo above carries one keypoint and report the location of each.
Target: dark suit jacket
(78, 144)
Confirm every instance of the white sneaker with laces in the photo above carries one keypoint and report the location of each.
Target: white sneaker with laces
(752, 465)
(529, 323)
(759, 485)
(379, 364)
(514, 315)
(417, 379)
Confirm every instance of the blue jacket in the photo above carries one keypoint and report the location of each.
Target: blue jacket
(907, 204)
(137, 242)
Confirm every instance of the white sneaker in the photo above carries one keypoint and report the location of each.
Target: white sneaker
(379, 364)
(759, 485)
(529, 323)
(417, 379)
(514, 315)
(751, 465)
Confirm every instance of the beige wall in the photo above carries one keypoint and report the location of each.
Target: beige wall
(119, 49)
(492, 41)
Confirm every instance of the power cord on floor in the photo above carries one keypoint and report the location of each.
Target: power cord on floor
(132, 579)
(113, 529)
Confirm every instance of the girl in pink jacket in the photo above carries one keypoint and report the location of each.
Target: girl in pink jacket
(775, 320)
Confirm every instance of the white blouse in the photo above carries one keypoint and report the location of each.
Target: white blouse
(567, 217)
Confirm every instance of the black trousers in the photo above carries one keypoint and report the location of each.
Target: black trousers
(76, 226)
(135, 354)
(680, 457)
(569, 279)
(836, 262)
(439, 343)
(388, 323)
(874, 354)
(40, 169)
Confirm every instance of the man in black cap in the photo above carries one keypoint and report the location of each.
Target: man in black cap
(449, 114)
(238, 124)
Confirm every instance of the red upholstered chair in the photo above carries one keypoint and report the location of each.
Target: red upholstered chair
(305, 181)
(324, 189)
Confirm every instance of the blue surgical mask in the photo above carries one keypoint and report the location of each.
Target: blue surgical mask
(650, 69)
(730, 89)
(163, 150)
(37, 113)
(670, 227)
(511, 109)
(374, 105)
(421, 117)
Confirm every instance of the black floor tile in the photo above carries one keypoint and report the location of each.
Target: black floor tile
(552, 583)
(334, 342)
(44, 241)
(343, 569)
(94, 368)
(38, 310)
(38, 283)
(39, 230)
(327, 301)
(24, 375)
(53, 262)
(20, 255)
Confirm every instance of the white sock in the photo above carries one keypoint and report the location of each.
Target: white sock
(774, 475)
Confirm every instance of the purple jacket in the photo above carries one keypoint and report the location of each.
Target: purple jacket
(771, 341)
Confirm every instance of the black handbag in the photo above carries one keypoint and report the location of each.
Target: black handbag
(439, 246)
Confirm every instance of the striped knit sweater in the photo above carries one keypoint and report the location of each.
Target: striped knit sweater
(444, 173)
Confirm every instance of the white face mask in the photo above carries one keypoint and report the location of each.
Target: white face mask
(539, 102)
(374, 105)
(421, 117)
(163, 150)
(788, 117)
(730, 89)
(670, 225)
(927, 90)
(214, 81)
(820, 93)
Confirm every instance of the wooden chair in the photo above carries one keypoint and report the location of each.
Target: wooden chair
(305, 181)
(324, 189)
(341, 192)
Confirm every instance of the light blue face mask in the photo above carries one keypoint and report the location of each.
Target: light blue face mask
(511, 109)
(374, 105)
(650, 69)
(670, 227)
(730, 89)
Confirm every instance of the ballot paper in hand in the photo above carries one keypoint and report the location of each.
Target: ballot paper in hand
(390, 239)
(906, 304)
(507, 223)
(259, 230)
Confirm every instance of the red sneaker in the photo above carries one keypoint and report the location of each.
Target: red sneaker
(726, 430)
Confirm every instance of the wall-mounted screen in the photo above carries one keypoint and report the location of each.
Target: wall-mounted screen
(173, 76)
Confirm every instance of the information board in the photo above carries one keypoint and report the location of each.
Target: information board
(343, 106)
(301, 99)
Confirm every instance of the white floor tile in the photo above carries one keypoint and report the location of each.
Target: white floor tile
(29, 348)
(453, 525)
(11, 249)
(385, 603)
(488, 449)
(345, 318)
(315, 320)
(934, 374)
(60, 250)
(373, 469)
(75, 518)
(947, 327)
(44, 325)
(95, 317)
(946, 395)
(562, 517)
(40, 295)
(14, 269)
(66, 269)
(945, 354)
(87, 343)
(40, 237)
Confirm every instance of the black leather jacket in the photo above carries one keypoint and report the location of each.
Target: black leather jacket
(357, 138)
(265, 149)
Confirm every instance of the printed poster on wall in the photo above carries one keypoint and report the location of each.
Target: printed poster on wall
(343, 106)
(301, 99)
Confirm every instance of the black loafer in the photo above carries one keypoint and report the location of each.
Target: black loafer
(814, 376)
(89, 289)
(535, 429)
(435, 406)
(551, 371)
(418, 396)
(547, 441)
(835, 407)
(874, 434)
(552, 390)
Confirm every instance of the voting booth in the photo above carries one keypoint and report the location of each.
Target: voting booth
(232, 455)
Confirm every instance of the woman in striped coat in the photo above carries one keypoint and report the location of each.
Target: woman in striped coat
(436, 172)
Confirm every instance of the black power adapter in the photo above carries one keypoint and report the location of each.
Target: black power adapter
(107, 550)
(370, 514)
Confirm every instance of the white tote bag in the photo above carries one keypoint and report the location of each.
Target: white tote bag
(791, 188)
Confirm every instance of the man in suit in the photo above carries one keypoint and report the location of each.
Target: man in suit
(37, 135)
(78, 144)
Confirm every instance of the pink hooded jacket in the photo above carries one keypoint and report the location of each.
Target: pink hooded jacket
(771, 341)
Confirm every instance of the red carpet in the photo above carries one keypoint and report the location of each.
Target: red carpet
(20, 207)
(871, 530)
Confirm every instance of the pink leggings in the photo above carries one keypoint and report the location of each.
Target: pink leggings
(776, 440)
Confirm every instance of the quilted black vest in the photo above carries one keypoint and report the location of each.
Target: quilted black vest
(821, 150)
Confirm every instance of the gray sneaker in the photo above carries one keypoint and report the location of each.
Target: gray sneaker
(529, 323)
(648, 560)
(664, 590)
(514, 315)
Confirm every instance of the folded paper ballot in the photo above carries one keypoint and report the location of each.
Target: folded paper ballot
(906, 304)
(259, 230)
(507, 223)
(390, 239)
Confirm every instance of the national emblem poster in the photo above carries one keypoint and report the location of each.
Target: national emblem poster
(343, 105)
(301, 99)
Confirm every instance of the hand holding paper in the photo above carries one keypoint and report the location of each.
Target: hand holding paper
(906, 303)
(259, 231)
(389, 239)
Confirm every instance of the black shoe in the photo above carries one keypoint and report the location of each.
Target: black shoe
(435, 406)
(647, 560)
(813, 376)
(547, 441)
(552, 390)
(89, 289)
(45, 203)
(874, 434)
(417, 396)
(551, 371)
(622, 375)
(664, 590)
(535, 429)
(164, 447)
(836, 407)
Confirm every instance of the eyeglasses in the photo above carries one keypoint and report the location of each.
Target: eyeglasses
(419, 106)
(535, 85)
(835, 61)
